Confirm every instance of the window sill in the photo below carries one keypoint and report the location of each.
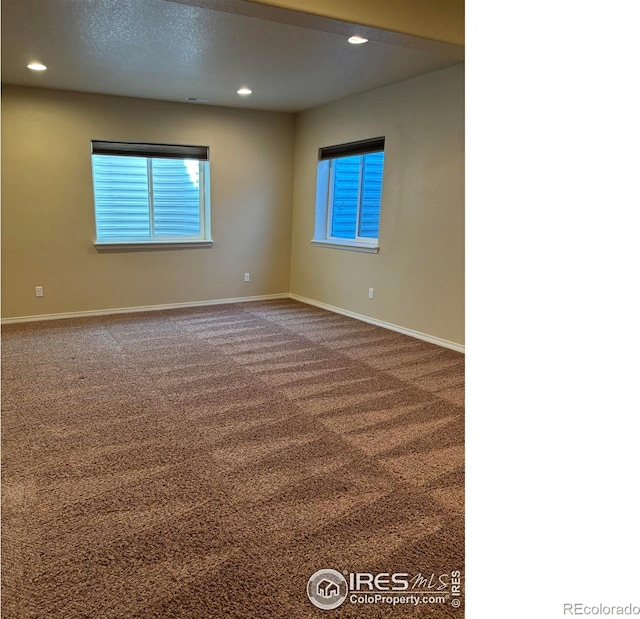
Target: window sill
(134, 246)
(348, 245)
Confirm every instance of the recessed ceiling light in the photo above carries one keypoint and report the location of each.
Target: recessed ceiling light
(36, 66)
(244, 91)
(356, 40)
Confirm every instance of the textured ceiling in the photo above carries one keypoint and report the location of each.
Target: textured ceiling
(171, 50)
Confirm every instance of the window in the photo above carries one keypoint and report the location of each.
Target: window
(349, 193)
(150, 193)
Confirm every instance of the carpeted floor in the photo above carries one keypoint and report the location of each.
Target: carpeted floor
(206, 462)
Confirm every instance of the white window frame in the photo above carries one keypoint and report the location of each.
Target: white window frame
(156, 241)
(324, 202)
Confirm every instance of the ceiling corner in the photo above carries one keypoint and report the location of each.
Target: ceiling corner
(437, 20)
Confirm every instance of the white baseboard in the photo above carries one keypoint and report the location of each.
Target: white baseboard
(142, 308)
(266, 297)
(432, 339)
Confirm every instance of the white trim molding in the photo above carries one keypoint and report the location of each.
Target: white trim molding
(142, 308)
(432, 339)
(147, 245)
(350, 245)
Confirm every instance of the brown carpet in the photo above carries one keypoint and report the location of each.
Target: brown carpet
(206, 462)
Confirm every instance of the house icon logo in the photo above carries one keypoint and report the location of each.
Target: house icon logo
(327, 589)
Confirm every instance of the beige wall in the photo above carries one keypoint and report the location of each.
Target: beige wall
(440, 20)
(47, 203)
(418, 276)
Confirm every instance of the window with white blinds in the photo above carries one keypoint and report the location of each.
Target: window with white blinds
(349, 194)
(150, 193)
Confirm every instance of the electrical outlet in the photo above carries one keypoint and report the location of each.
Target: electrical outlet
(39, 291)
(247, 277)
(371, 293)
